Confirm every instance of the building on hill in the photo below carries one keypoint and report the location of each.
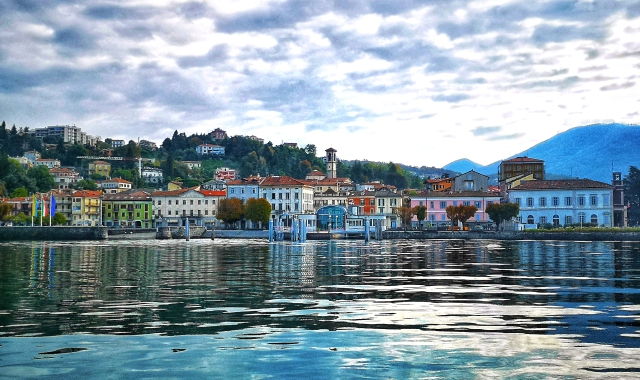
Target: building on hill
(152, 175)
(148, 145)
(32, 156)
(521, 165)
(218, 134)
(471, 181)
(564, 202)
(101, 168)
(65, 177)
(70, 134)
(226, 174)
(214, 184)
(290, 145)
(48, 162)
(287, 195)
(114, 185)
(117, 143)
(128, 209)
(437, 202)
(210, 149)
(193, 165)
(256, 138)
(86, 208)
(439, 184)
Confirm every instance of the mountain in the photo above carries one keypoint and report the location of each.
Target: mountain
(462, 166)
(592, 151)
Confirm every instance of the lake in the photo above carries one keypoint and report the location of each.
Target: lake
(393, 309)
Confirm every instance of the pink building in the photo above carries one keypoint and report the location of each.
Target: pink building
(437, 203)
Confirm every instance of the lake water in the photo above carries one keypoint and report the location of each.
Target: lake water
(325, 310)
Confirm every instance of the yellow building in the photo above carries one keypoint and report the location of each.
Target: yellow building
(102, 168)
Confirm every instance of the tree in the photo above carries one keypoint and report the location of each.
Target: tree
(257, 210)
(405, 215)
(19, 192)
(20, 219)
(86, 184)
(498, 212)
(43, 179)
(58, 219)
(229, 210)
(310, 149)
(5, 211)
(460, 213)
(420, 213)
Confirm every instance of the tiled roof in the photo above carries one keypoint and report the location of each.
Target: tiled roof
(522, 159)
(456, 194)
(316, 173)
(171, 193)
(128, 196)
(562, 184)
(87, 193)
(213, 193)
(117, 180)
(282, 181)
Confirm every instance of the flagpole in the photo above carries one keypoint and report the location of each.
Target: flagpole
(41, 208)
(50, 198)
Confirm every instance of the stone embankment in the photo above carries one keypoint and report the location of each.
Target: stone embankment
(515, 235)
(53, 233)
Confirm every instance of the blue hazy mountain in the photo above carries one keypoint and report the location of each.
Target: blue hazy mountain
(462, 166)
(592, 151)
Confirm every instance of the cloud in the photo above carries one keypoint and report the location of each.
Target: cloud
(616, 86)
(215, 55)
(548, 33)
(483, 131)
(452, 98)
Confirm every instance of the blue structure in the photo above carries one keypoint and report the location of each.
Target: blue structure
(331, 218)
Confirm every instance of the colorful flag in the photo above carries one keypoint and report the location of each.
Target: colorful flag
(37, 210)
(34, 206)
(44, 207)
(52, 206)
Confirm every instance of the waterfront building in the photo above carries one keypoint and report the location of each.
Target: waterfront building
(330, 197)
(174, 207)
(521, 165)
(132, 209)
(64, 202)
(437, 202)
(245, 188)
(287, 195)
(86, 206)
(387, 202)
(363, 202)
(564, 202)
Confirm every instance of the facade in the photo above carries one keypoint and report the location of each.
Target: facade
(210, 149)
(564, 202)
(115, 185)
(330, 197)
(132, 209)
(507, 184)
(244, 189)
(620, 217)
(102, 168)
(70, 134)
(214, 184)
(287, 195)
(439, 184)
(152, 175)
(521, 165)
(437, 203)
(86, 208)
(65, 177)
(363, 202)
(174, 207)
(218, 134)
(48, 162)
(387, 202)
(117, 143)
(64, 202)
(193, 164)
(226, 174)
(471, 181)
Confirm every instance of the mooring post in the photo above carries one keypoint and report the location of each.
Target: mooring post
(366, 230)
(186, 229)
(270, 230)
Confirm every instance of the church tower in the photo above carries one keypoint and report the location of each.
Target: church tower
(332, 163)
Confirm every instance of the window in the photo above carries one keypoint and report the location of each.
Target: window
(169, 202)
(381, 210)
(606, 200)
(567, 201)
(279, 195)
(593, 199)
(567, 220)
(191, 202)
(381, 202)
(160, 203)
(253, 190)
(543, 202)
(431, 205)
(206, 201)
(466, 203)
(372, 202)
(543, 220)
(530, 219)
(443, 204)
(455, 203)
(184, 202)
(555, 201)
(530, 202)
(206, 212)
(242, 190)
(556, 221)
(233, 190)
(420, 204)
(517, 201)
(478, 205)
(169, 212)
(273, 195)
(296, 196)
(594, 219)
(199, 202)
(580, 200)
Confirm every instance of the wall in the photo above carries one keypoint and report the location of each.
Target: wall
(53, 233)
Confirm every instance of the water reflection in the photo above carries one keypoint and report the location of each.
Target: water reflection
(586, 290)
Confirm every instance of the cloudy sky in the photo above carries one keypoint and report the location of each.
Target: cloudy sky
(414, 82)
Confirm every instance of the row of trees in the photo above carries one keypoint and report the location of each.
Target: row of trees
(498, 213)
(232, 210)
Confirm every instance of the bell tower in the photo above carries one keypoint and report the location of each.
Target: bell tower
(332, 162)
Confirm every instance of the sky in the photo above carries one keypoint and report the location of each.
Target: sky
(414, 82)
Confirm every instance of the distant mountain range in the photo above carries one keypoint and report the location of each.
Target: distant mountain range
(592, 152)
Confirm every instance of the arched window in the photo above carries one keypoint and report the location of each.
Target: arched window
(594, 219)
(530, 219)
(556, 221)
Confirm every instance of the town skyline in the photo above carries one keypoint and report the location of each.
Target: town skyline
(406, 79)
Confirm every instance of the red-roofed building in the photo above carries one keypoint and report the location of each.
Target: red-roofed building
(173, 207)
(63, 177)
(86, 208)
(287, 195)
(115, 185)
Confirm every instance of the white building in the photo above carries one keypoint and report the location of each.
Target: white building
(68, 133)
(564, 202)
(287, 195)
(172, 208)
(152, 175)
(210, 149)
(48, 162)
(115, 185)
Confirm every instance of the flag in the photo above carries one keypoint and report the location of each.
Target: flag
(52, 206)
(44, 207)
(37, 207)
(34, 206)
